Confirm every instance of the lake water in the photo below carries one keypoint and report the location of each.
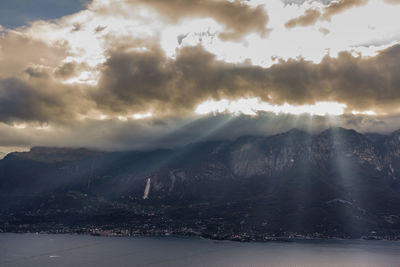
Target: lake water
(75, 250)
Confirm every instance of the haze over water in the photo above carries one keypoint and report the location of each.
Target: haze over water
(74, 250)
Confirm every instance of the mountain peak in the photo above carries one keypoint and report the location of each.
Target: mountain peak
(396, 133)
(340, 130)
(296, 131)
(55, 154)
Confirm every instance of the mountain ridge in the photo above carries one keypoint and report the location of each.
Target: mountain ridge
(336, 183)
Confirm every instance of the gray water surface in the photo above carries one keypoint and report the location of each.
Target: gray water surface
(75, 250)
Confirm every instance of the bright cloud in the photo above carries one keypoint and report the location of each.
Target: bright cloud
(143, 62)
(251, 106)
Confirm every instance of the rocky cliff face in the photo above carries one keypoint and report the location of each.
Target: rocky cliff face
(271, 155)
(279, 153)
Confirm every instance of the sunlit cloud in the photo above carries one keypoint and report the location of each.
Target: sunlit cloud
(84, 77)
(366, 112)
(251, 106)
(43, 127)
(139, 116)
(132, 62)
(20, 126)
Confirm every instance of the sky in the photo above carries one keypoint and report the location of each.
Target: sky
(144, 74)
(14, 13)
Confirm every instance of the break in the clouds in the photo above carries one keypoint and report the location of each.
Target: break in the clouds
(14, 13)
(136, 74)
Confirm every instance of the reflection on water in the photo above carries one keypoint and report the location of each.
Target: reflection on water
(73, 250)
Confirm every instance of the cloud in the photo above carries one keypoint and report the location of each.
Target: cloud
(311, 16)
(238, 17)
(142, 81)
(149, 81)
(70, 69)
(138, 77)
(43, 67)
(361, 83)
(323, 30)
(336, 7)
(19, 51)
(66, 70)
(42, 102)
(393, 2)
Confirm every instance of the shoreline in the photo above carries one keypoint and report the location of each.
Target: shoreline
(284, 239)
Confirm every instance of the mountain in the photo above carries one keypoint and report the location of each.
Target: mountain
(338, 183)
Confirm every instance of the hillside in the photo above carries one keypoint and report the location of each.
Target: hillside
(338, 183)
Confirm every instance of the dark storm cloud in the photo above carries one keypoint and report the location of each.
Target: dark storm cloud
(141, 81)
(138, 77)
(20, 101)
(361, 83)
(30, 89)
(238, 17)
(333, 8)
(42, 102)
